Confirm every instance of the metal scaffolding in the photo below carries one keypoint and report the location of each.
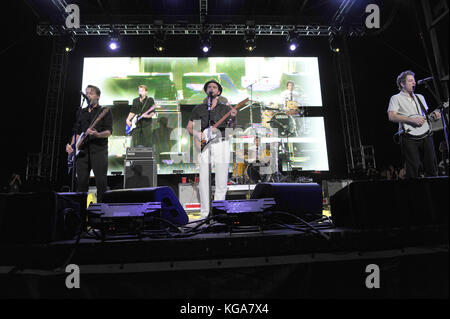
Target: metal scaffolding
(436, 14)
(358, 157)
(51, 135)
(196, 29)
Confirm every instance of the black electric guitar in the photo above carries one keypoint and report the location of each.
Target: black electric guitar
(82, 139)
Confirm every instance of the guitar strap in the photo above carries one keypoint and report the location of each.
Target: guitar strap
(96, 115)
(424, 111)
(144, 104)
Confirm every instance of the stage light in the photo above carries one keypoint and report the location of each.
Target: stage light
(335, 43)
(205, 41)
(69, 44)
(159, 41)
(160, 47)
(292, 40)
(113, 45)
(250, 40)
(114, 41)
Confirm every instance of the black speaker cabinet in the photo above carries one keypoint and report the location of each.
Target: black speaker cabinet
(300, 199)
(171, 208)
(140, 173)
(376, 204)
(41, 217)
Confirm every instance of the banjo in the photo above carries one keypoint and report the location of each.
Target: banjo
(419, 131)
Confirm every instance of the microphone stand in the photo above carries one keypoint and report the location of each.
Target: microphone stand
(441, 110)
(209, 157)
(444, 126)
(74, 159)
(251, 99)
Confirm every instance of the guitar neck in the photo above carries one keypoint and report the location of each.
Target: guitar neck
(99, 118)
(152, 109)
(106, 110)
(228, 114)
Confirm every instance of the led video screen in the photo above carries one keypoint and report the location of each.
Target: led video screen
(176, 85)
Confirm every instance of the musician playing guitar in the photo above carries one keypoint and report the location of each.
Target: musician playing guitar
(411, 112)
(94, 149)
(219, 147)
(142, 110)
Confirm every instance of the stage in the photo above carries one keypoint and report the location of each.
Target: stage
(275, 259)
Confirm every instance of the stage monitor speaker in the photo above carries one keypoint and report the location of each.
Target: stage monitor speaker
(242, 211)
(391, 203)
(41, 217)
(300, 199)
(171, 208)
(140, 173)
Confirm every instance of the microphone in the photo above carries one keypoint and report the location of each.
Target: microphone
(84, 95)
(210, 93)
(423, 81)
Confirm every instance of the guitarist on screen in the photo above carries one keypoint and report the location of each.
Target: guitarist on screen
(141, 113)
(411, 112)
(93, 151)
(219, 147)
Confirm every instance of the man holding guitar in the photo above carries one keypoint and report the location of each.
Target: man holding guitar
(141, 113)
(93, 128)
(411, 112)
(219, 147)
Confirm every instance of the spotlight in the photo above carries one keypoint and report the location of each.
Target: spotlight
(293, 41)
(205, 42)
(335, 43)
(113, 45)
(69, 44)
(250, 40)
(160, 41)
(293, 46)
(114, 41)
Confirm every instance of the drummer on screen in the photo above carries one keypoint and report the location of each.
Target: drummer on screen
(290, 99)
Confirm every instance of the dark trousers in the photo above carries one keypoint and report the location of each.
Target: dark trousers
(417, 153)
(97, 160)
(142, 136)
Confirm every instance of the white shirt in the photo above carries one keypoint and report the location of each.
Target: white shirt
(403, 104)
(290, 96)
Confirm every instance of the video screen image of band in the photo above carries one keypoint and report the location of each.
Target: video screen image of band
(176, 85)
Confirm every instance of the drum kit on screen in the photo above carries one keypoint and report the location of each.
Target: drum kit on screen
(256, 159)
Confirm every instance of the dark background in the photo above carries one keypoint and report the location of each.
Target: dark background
(376, 60)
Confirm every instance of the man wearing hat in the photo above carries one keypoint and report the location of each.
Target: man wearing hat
(219, 147)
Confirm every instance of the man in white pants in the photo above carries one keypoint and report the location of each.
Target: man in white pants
(219, 147)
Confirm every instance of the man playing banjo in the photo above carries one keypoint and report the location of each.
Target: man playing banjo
(411, 112)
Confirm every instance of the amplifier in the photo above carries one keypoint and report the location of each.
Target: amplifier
(123, 218)
(139, 153)
(140, 173)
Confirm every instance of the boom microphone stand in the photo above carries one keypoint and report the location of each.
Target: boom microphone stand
(209, 156)
(73, 168)
(442, 111)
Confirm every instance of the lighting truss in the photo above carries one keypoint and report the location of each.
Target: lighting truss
(196, 29)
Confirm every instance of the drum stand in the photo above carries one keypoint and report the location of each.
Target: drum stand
(286, 132)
